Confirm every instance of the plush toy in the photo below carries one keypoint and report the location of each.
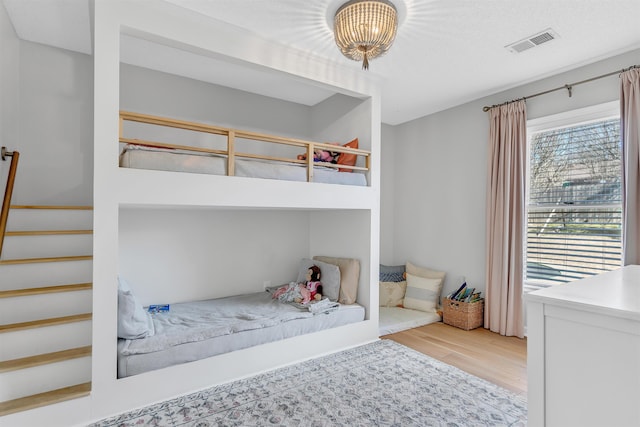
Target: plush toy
(311, 289)
(313, 283)
(322, 156)
(325, 156)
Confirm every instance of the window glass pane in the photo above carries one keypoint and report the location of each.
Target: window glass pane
(576, 165)
(574, 211)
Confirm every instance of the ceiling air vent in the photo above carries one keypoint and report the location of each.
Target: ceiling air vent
(533, 41)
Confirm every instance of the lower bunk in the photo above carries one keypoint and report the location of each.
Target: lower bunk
(196, 330)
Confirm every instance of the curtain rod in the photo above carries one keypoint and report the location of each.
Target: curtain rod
(568, 87)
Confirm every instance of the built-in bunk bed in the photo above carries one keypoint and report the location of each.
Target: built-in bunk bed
(191, 236)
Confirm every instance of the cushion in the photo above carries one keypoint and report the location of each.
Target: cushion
(349, 277)
(394, 273)
(329, 276)
(348, 158)
(133, 321)
(424, 272)
(392, 294)
(422, 293)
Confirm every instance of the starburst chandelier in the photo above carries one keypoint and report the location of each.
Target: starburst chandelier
(365, 29)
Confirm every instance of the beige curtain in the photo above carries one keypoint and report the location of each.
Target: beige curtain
(630, 132)
(505, 219)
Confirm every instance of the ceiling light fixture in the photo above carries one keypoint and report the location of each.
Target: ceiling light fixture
(365, 29)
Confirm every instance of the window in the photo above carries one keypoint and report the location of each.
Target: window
(574, 200)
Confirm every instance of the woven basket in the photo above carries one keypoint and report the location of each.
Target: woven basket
(463, 315)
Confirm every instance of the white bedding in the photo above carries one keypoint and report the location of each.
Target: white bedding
(196, 330)
(396, 319)
(141, 157)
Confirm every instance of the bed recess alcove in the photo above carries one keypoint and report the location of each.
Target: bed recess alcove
(219, 282)
(182, 216)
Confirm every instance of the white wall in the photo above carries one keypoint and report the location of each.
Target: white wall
(440, 164)
(176, 255)
(388, 203)
(153, 92)
(9, 81)
(340, 118)
(55, 127)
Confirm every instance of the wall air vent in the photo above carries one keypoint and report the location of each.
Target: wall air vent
(533, 41)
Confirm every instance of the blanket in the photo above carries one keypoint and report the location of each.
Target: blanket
(289, 293)
(200, 320)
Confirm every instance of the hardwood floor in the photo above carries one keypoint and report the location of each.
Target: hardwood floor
(485, 354)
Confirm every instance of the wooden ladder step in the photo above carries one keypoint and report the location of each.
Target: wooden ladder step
(45, 290)
(12, 327)
(84, 208)
(44, 359)
(50, 259)
(46, 398)
(47, 232)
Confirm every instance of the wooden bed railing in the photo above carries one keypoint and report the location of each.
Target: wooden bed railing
(8, 191)
(232, 135)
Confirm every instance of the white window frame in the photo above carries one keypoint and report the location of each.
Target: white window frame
(575, 117)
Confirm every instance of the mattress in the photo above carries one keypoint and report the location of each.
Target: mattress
(141, 157)
(234, 323)
(396, 319)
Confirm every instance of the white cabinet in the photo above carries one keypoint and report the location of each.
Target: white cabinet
(584, 352)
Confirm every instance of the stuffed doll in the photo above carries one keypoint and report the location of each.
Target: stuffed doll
(322, 156)
(313, 283)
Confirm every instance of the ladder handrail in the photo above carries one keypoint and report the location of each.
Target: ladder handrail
(8, 192)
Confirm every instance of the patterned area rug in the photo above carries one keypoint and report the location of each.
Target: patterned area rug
(379, 384)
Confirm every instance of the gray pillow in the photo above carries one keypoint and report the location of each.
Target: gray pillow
(133, 321)
(329, 276)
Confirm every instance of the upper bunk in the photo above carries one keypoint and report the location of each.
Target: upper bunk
(221, 105)
(318, 162)
(236, 164)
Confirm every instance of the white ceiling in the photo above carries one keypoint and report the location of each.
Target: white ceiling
(446, 53)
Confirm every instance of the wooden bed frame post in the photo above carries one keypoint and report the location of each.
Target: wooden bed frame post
(310, 151)
(231, 153)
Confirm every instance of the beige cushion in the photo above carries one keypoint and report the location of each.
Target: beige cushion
(422, 293)
(349, 277)
(392, 293)
(425, 272)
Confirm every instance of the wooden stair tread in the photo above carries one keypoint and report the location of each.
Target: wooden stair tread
(46, 232)
(44, 359)
(49, 259)
(46, 398)
(85, 208)
(12, 327)
(45, 290)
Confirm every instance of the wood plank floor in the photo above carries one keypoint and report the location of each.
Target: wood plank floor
(485, 354)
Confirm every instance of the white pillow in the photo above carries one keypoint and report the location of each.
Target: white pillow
(422, 294)
(329, 276)
(392, 293)
(133, 321)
